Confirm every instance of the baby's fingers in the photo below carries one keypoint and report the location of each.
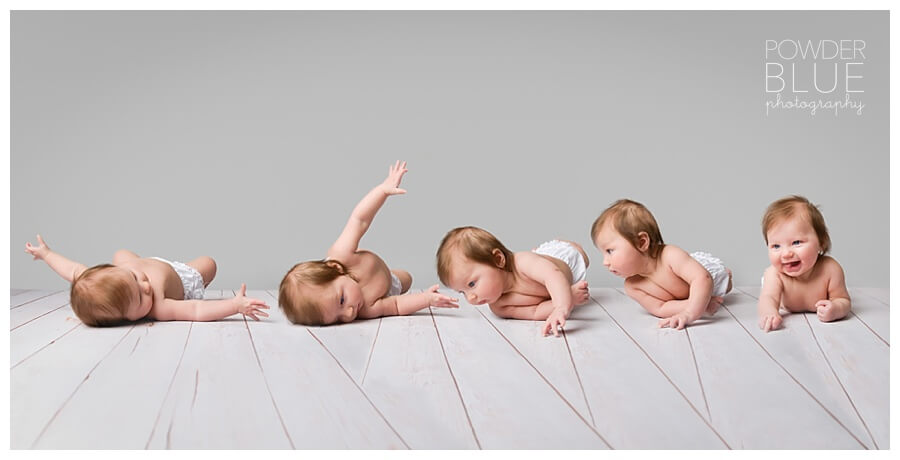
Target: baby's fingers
(261, 313)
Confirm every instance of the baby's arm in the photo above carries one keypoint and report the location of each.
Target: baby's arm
(210, 310)
(558, 286)
(837, 305)
(364, 212)
(769, 300)
(65, 268)
(700, 281)
(407, 304)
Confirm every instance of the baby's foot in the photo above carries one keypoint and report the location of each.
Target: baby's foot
(727, 290)
(713, 306)
(580, 293)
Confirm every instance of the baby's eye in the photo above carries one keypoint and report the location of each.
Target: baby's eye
(609, 251)
(776, 246)
(471, 284)
(796, 242)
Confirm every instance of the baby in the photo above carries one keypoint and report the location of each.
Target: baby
(667, 281)
(352, 283)
(542, 285)
(133, 287)
(801, 277)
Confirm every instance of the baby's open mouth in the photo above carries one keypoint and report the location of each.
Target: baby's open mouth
(791, 265)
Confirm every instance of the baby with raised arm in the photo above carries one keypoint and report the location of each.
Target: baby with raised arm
(132, 288)
(350, 282)
(667, 281)
(542, 285)
(801, 278)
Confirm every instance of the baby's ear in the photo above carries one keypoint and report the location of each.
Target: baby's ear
(499, 258)
(643, 241)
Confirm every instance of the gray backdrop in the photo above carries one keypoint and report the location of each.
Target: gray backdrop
(250, 136)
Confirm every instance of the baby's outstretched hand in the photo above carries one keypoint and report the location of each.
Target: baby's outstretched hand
(249, 306)
(677, 321)
(39, 251)
(770, 322)
(392, 183)
(555, 322)
(436, 299)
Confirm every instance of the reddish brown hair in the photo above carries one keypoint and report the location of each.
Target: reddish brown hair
(796, 205)
(474, 244)
(293, 298)
(100, 296)
(630, 218)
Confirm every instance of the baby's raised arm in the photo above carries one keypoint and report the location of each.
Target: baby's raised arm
(210, 310)
(558, 286)
(64, 267)
(407, 304)
(364, 212)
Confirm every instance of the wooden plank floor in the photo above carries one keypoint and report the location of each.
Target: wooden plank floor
(452, 379)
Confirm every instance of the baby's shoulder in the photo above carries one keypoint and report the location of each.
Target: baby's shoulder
(830, 267)
(672, 256)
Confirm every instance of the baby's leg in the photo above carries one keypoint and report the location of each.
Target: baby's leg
(207, 268)
(123, 255)
(580, 293)
(405, 279)
(580, 249)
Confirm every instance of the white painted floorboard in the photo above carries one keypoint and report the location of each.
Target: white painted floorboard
(451, 379)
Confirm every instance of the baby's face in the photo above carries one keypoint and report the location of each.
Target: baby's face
(793, 246)
(340, 300)
(142, 295)
(479, 283)
(619, 256)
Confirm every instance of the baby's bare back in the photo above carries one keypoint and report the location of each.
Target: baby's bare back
(526, 291)
(163, 280)
(663, 283)
(372, 274)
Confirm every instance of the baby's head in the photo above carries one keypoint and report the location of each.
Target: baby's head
(796, 235)
(626, 233)
(320, 292)
(475, 263)
(106, 295)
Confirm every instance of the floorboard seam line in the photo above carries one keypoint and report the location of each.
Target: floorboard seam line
(169, 390)
(45, 346)
(547, 381)
(34, 300)
(453, 377)
(803, 387)
(578, 377)
(78, 387)
(852, 404)
(870, 329)
(362, 381)
(874, 298)
(661, 371)
(358, 388)
(697, 370)
(266, 382)
(39, 316)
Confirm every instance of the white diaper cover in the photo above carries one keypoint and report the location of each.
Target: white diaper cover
(716, 269)
(396, 286)
(566, 253)
(191, 279)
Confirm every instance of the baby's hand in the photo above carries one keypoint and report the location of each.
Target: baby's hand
(249, 306)
(391, 184)
(825, 311)
(770, 322)
(677, 321)
(436, 299)
(555, 322)
(40, 251)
